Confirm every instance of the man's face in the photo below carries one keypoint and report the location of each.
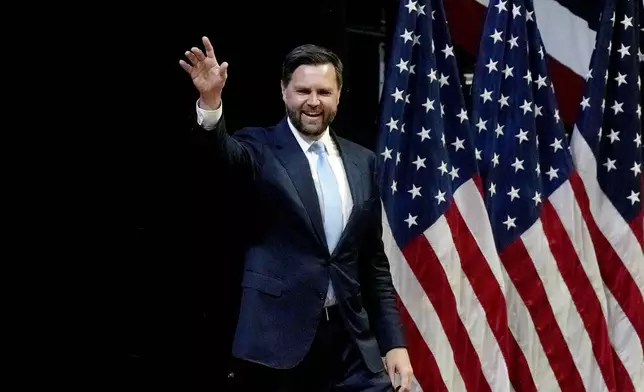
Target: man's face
(312, 98)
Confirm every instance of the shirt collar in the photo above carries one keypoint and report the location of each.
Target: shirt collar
(305, 141)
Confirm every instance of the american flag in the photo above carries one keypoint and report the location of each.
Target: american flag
(437, 233)
(508, 276)
(606, 147)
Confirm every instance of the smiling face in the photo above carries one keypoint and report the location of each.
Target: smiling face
(311, 97)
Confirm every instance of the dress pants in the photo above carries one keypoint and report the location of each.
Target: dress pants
(334, 364)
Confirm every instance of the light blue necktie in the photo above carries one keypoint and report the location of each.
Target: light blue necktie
(331, 206)
(331, 202)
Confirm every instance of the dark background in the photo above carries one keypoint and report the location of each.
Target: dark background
(177, 304)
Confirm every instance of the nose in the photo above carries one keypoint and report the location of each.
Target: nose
(313, 100)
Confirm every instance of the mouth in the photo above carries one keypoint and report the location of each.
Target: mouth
(312, 115)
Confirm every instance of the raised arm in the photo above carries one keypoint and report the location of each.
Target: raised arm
(209, 78)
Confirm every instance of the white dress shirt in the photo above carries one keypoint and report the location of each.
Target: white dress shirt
(208, 119)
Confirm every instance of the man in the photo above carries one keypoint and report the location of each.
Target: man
(318, 308)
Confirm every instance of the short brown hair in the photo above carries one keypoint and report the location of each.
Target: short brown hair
(310, 54)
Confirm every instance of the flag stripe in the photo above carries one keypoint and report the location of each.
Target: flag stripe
(425, 264)
(426, 369)
(422, 312)
(484, 282)
(530, 287)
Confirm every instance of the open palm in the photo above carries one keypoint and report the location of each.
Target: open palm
(208, 76)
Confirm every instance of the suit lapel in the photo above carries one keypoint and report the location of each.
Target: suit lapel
(290, 154)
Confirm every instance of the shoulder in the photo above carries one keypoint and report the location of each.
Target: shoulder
(356, 150)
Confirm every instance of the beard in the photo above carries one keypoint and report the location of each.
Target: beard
(310, 126)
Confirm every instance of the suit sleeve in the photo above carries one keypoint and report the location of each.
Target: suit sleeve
(379, 297)
(238, 153)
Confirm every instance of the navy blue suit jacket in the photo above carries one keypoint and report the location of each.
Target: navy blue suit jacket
(287, 264)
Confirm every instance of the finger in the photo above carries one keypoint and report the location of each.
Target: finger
(223, 70)
(406, 381)
(392, 371)
(193, 59)
(198, 53)
(185, 66)
(210, 52)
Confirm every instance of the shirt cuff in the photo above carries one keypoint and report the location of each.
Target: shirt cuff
(208, 118)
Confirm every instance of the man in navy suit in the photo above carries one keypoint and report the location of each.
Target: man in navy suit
(318, 308)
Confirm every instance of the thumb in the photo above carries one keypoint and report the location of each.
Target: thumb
(391, 370)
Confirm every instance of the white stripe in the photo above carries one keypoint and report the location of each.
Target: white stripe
(610, 222)
(563, 307)
(421, 311)
(566, 37)
(469, 308)
(471, 206)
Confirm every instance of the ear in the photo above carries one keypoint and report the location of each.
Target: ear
(283, 91)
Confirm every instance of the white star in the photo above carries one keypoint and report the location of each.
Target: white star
(552, 173)
(509, 222)
(508, 71)
(492, 189)
(610, 164)
(487, 95)
(491, 66)
(585, 103)
(638, 139)
(613, 136)
(411, 220)
(627, 22)
(429, 105)
(522, 136)
(432, 75)
(406, 35)
(397, 95)
(639, 111)
(624, 50)
(424, 134)
(499, 130)
(528, 15)
(394, 187)
(537, 198)
(537, 110)
(440, 196)
(634, 197)
(541, 82)
(617, 107)
(411, 6)
(526, 106)
(640, 55)
(496, 36)
(541, 52)
(443, 80)
(517, 165)
(419, 162)
(477, 153)
(416, 40)
(402, 65)
(516, 11)
(513, 42)
(495, 159)
(462, 115)
(501, 6)
(504, 100)
(449, 51)
(411, 69)
(397, 158)
(589, 75)
(443, 168)
(620, 79)
(454, 172)
(556, 145)
(481, 125)
(613, 19)
(557, 118)
(458, 144)
(636, 169)
(392, 124)
(415, 191)
(386, 153)
(421, 10)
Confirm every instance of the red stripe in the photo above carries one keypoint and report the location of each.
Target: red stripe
(466, 19)
(521, 270)
(616, 277)
(489, 294)
(585, 300)
(422, 360)
(425, 264)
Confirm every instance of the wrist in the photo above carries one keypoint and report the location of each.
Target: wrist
(209, 102)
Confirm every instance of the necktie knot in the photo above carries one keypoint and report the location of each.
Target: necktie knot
(318, 148)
